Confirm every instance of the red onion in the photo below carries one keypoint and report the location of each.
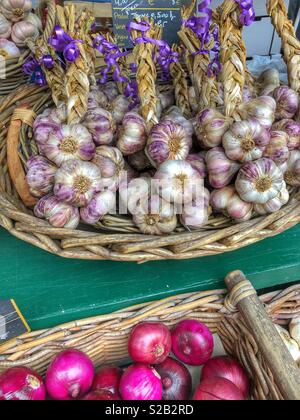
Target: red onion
(108, 378)
(228, 368)
(217, 389)
(150, 342)
(70, 375)
(141, 382)
(192, 342)
(100, 395)
(176, 380)
(21, 384)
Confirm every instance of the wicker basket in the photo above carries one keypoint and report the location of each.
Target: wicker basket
(14, 75)
(104, 338)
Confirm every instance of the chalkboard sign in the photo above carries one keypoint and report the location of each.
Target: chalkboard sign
(165, 13)
(12, 322)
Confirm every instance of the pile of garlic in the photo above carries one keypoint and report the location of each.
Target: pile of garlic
(17, 24)
(291, 338)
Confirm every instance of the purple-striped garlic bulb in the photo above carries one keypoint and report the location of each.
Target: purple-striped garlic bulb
(245, 141)
(292, 169)
(111, 90)
(43, 125)
(277, 149)
(287, 101)
(119, 107)
(168, 141)
(221, 169)
(77, 182)
(111, 163)
(262, 109)
(157, 218)
(101, 125)
(178, 182)
(228, 202)
(58, 213)
(97, 99)
(259, 181)
(139, 161)
(196, 214)
(5, 27)
(165, 100)
(275, 204)
(102, 204)
(40, 176)
(59, 114)
(175, 114)
(132, 135)
(211, 125)
(69, 142)
(197, 160)
(292, 128)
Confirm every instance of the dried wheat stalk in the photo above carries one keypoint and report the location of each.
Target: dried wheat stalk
(290, 44)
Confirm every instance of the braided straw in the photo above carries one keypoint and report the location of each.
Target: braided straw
(290, 44)
(233, 55)
(179, 78)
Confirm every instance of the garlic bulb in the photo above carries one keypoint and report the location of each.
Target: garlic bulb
(22, 31)
(15, 10)
(292, 169)
(221, 170)
(277, 149)
(197, 160)
(292, 128)
(291, 344)
(211, 125)
(157, 218)
(43, 126)
(245, 141)
(111, 90)
(287, 101)
(35, 20)
(165, 100)
(269, 81)
(58, 214)
(262, 109)
(132, 136)
(294, 329)
(228, 202)
(193, 99)
(69, 142)
(275, 204)
(119, 107)
(168, 141)
(5, 27)
(178, 182)
(196, 214)
(133, 194)
(174, 114)
(259, 181)
(101, 125)
(8, 49)
(40, 176)
(76, 182)
(111, 163)
(97, 99)
(139, 161)
(59, 114)
(102, 204)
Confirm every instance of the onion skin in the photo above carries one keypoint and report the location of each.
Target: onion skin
(192, 342)
(100, 395)
(21, 384)
(149, 342)
(108, 379)
(176, 380)
(70, 375)
(141, 382)
(227, 368)
(217, 389)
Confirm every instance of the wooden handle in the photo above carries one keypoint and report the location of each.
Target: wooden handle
(281, 363)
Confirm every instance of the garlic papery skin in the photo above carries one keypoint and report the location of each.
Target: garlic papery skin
(292, 169)
(157, 218)
(196, 214)
(77, 182)
(97, 99)
(197, 160)
(294, 329)
(111, 163)
(15, 10)
(139, 161)
(40, 176)
(102, 204)
(287, 101)
(259, 181)
(245, 141)
(69, 142)
(168, 141)
(261, 109)
(193, 99)
(43, 126)
(221, 169)
(8, 49)
(35, 20)
(111, 90)
(291, 344)
(5, 27)
(277, 149)
(174, 114)
(269, 81)
(119, 108)
(292, 128)
(178, 182)
(228, 202)
(211, 125)
(22, 31)
(275, 204)
(58, 214)
(101, 125)
(132, 136)
(165, 100)
(59, 114)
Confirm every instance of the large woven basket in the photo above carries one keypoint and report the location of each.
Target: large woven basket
(104, 338)
(14, 75)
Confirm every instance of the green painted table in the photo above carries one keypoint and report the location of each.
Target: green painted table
(51, 290)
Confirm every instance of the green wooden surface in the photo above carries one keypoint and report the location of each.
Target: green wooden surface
(51, 290)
